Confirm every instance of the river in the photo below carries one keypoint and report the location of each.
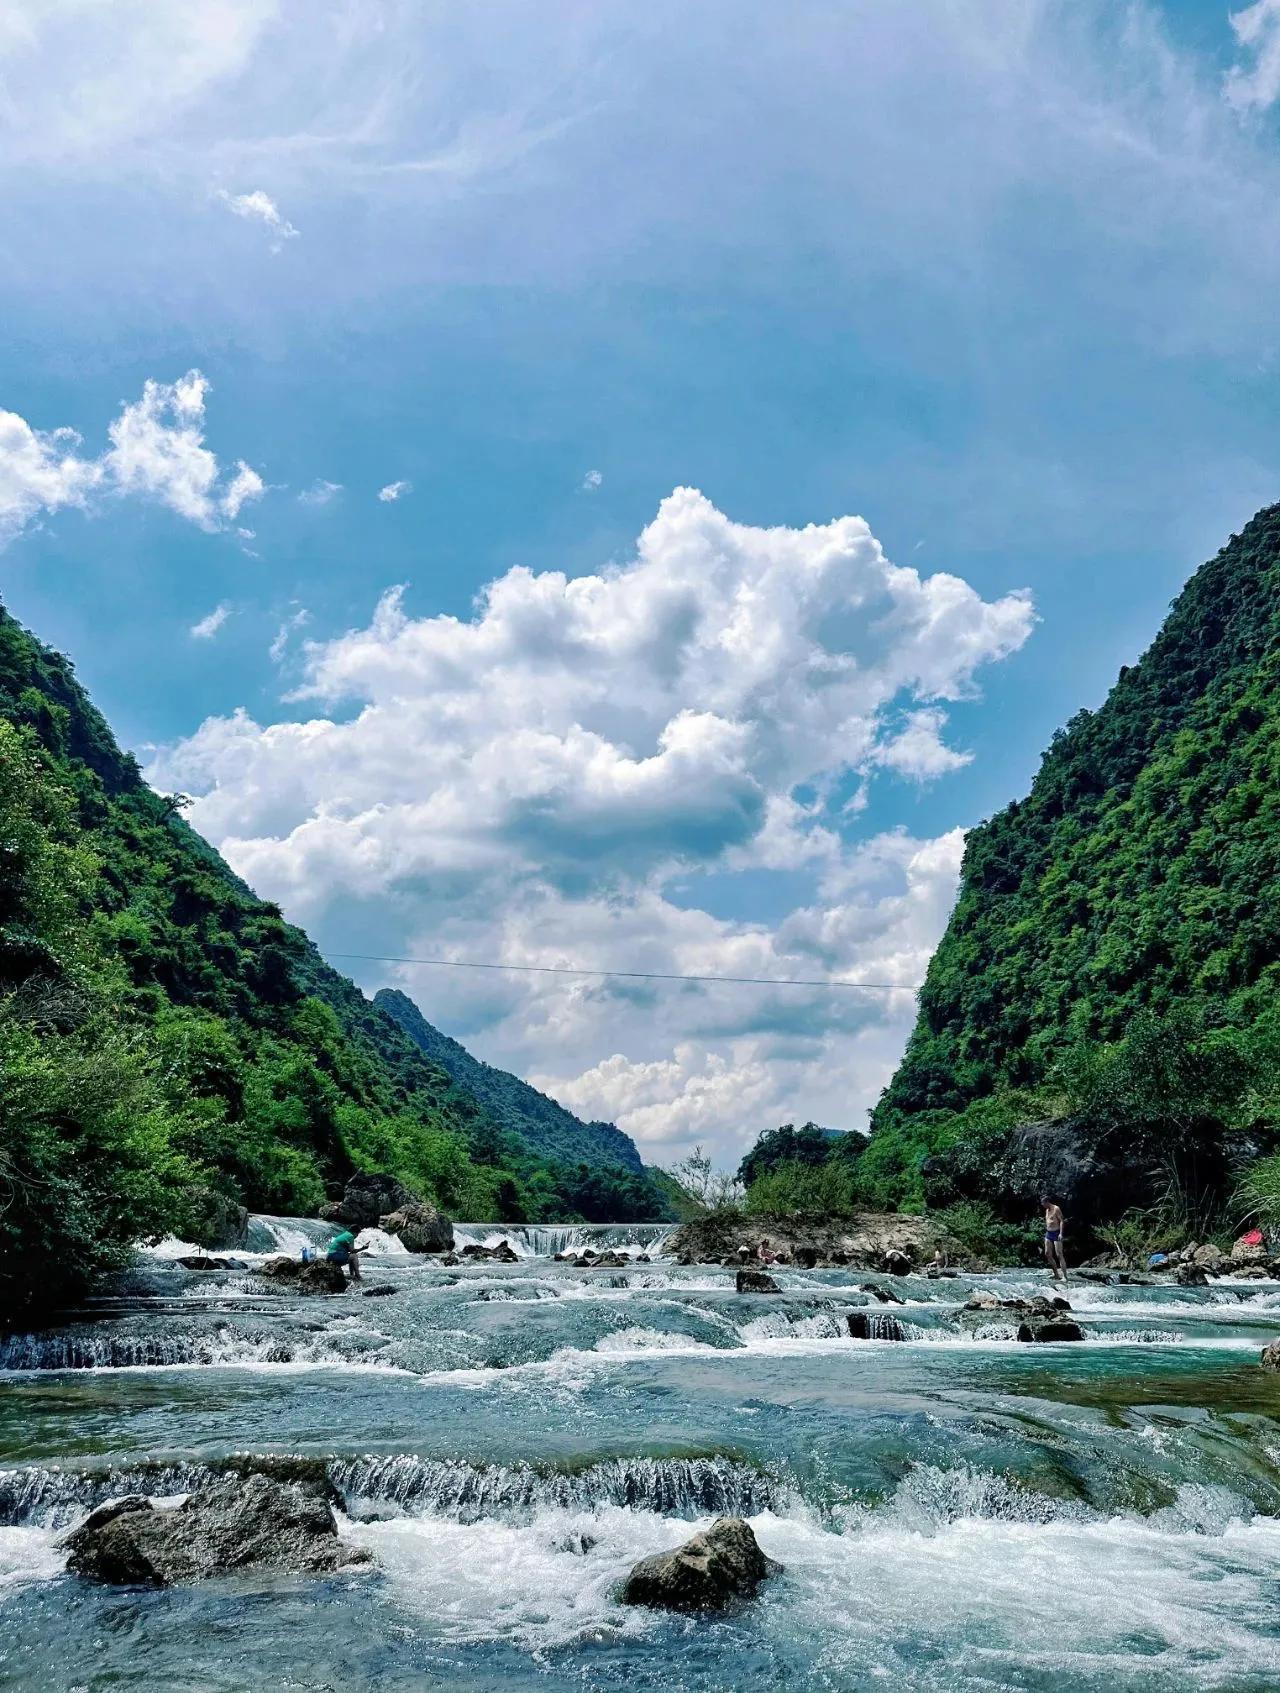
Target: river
(955, 1511)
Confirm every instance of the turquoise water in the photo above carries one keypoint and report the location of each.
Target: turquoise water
(955, 1512)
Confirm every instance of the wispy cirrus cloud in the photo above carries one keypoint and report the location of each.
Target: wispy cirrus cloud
(394, 491)
(208, 626)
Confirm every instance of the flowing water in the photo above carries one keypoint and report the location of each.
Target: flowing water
(955, 1511)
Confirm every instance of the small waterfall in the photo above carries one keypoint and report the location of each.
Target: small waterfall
(287, 1234)
(682, 1487)
(544, 1240)
(53, 1498)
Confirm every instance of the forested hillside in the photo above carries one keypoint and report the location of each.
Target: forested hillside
(162, 1029)
(1127, 912)
(546, 1126)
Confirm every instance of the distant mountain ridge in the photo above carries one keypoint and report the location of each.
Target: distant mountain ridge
(516, 1106)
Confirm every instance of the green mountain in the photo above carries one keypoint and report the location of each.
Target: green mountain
(546, 1127)
(165, 1035)
(1119, 929)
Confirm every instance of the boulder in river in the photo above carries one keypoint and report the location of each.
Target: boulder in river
(420, 1227)
(1191, 1275)
(1046, 1326)
(1270, 1359)
(199, 1261)
(715, 1569)
(874, 1325)
(755, 1281)
(885, 1295)
(319, 1276)
(255, 1521)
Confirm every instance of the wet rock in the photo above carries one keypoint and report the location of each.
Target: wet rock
(642, 1258)
(874, 1325)
(1039, 1327)
(379, 1292)
(420, 1227)
(319, 1276)
(755, 1281)
(610, 1261)
(368, 1196)
(982, 1299)
(278, 1353)
(885, 1295)
(255, 1521)
(715, 1569)
(450, 1259)
(1099, 1277)
(212, 1220)
(1270, 1359)
(806, 1257)
(200, 1262)
(1191, 1275)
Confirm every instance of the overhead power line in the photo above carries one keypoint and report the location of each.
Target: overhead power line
(638, 975)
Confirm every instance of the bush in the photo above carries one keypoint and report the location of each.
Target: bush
(793, 1188)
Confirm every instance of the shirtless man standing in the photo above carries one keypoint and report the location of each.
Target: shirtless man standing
(1054, 1229)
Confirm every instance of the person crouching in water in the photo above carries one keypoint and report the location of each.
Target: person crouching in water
(1055, 1228)
(344, 1252)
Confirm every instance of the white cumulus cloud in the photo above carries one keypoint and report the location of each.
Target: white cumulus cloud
(394, 491)
(156, 452)
(548, 781)
(259, 207)
(592, 480)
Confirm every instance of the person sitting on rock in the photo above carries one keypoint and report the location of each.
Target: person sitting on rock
(1055, 1227)
(765, 1254)
(344, 1252)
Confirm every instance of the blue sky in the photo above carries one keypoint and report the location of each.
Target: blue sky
(997, 278)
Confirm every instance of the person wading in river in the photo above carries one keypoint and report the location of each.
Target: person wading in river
(1055, 1227)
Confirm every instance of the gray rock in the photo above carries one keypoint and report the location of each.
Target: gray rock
(212, 1220)
(1046, 1328)
(420, 1227)
(369, 1195)
(1191, 1275)
(319, 1276)
(1270, 1359)
(256, 1521)
(755, 1281)
(717, 1568)
(885, 1295)
(874, 1325)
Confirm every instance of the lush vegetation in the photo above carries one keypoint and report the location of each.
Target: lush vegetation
(549, 1129)
(1114, 953)
(162, 1029)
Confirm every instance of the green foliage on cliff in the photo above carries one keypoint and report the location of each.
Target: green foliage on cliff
(159, 1025)
(1138, 883)
(542, 1123)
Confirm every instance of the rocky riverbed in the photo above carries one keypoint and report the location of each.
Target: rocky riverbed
(476, 1460)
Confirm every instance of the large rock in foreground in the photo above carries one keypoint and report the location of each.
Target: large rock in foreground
(256, 1522)
(420, 1228)
(715, 1569)
(319, 1276)
(368, 1195)
(755, 1281)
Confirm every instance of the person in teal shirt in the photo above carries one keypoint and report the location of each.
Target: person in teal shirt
(344, 1252)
